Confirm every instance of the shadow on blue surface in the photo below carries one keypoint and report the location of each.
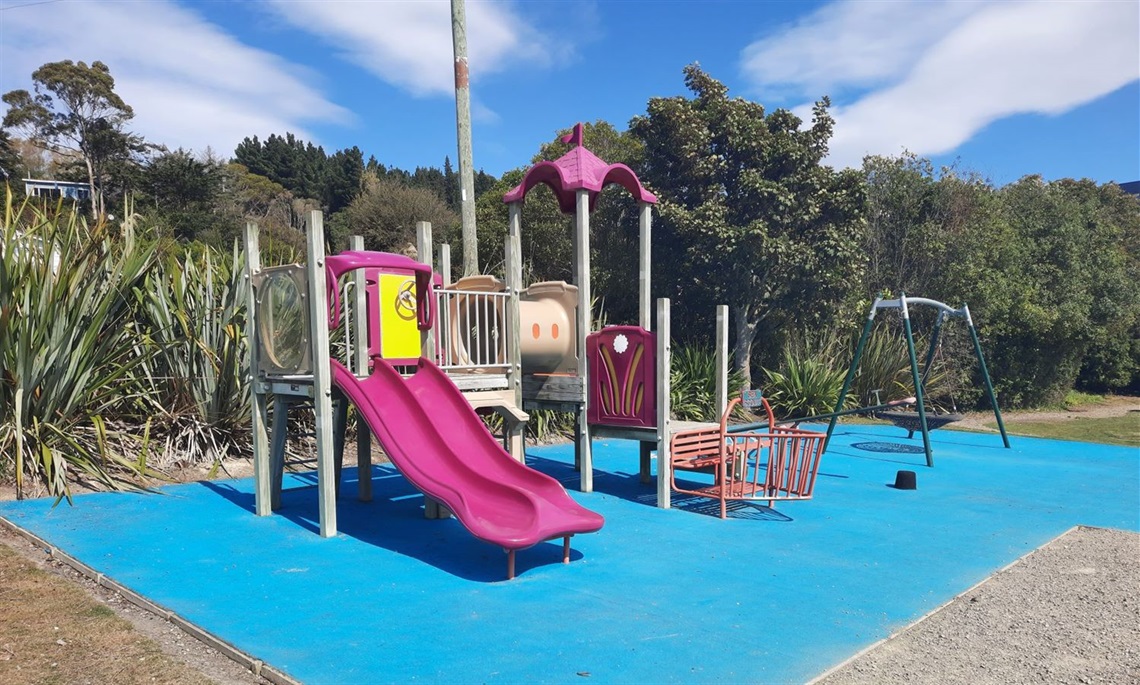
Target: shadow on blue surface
(888, 447)
(628, 486)
(655, 596)
(394, 520)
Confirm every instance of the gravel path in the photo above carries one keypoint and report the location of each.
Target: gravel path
(1068, 612)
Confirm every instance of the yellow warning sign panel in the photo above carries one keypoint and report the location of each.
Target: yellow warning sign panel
(399, 334)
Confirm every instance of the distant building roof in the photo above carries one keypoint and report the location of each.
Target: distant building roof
(39, 187)
(1132, 188)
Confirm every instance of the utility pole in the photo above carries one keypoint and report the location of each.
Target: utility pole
(463, 129)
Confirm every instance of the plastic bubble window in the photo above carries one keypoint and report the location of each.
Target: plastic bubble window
(283, 321)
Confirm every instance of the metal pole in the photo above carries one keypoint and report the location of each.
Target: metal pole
(463, 132)
(985, 374)
(933, 346)
(851, 371)
(917, 381)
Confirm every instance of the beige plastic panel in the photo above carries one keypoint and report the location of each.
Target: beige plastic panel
(483, 283)
(549, 328)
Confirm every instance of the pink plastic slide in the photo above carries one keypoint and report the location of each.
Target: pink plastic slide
(440, 444)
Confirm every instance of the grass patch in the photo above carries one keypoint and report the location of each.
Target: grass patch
(51, 631)
(1076, 398)
(1113, 430)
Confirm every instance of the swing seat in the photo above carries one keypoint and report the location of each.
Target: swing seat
(773, 465)
(909, 421)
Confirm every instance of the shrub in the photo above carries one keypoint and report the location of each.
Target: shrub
(69, 346)
(692, 382)
(197, 381)
(807, 386)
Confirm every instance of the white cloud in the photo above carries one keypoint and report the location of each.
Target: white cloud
(409, 44)
(190, 83)
(943, 75)
(849, 45)
(482, 114)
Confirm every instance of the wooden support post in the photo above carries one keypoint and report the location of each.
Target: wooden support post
(340, 427)
(645, 262)
(664, 352)
(645, 465)
(582, 447)
(277, 453)
(322, 372)
(445, 264)
(721, 359)
(425, 253)
(262, 496)
(513, 269)
(425, 256)
(510, 564)
(360, 368)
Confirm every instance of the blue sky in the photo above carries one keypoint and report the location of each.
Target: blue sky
(1004, 88)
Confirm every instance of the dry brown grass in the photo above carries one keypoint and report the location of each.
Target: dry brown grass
(51, 631)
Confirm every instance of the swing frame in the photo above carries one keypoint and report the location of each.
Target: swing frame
(903, 304)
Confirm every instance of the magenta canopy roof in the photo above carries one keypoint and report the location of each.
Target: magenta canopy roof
(576, 170)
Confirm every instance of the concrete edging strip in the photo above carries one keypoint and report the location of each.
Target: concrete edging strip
(256, 666)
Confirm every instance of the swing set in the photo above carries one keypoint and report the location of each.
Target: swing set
(918, 420)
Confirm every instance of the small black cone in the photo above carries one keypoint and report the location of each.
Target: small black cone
(906, 480)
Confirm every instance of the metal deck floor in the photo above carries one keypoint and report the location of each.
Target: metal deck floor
(656, 596)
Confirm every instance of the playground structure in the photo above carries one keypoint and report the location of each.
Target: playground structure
(919, 420)
(426, 426)
(774, 464)
(622, 390)
(424, 353)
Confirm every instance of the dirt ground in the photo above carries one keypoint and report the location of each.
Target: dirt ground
(1113, 405)
(895, 660)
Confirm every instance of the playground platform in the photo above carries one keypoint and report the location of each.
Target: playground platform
(655, 596)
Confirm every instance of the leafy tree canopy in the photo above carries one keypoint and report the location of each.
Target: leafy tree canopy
(386, 213)
(750, 215)
(304, 168)
(74, 109)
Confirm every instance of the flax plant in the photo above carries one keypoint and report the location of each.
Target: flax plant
(197, 381)
(67, 347)
(692, 383)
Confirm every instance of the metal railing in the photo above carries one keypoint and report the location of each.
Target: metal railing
(471, 331)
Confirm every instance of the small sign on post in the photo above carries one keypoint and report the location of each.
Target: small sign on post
(752, 398)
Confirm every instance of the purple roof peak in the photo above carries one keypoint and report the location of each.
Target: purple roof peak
(578, 169)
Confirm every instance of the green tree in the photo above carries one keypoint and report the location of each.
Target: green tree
(305, 169)
(386, 213)
(750, 216)
(904, 240)
(545, 236)
(183, 192)
(11, 167)
(75, 110)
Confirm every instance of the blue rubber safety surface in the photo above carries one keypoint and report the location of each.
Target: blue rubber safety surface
(656, 596)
